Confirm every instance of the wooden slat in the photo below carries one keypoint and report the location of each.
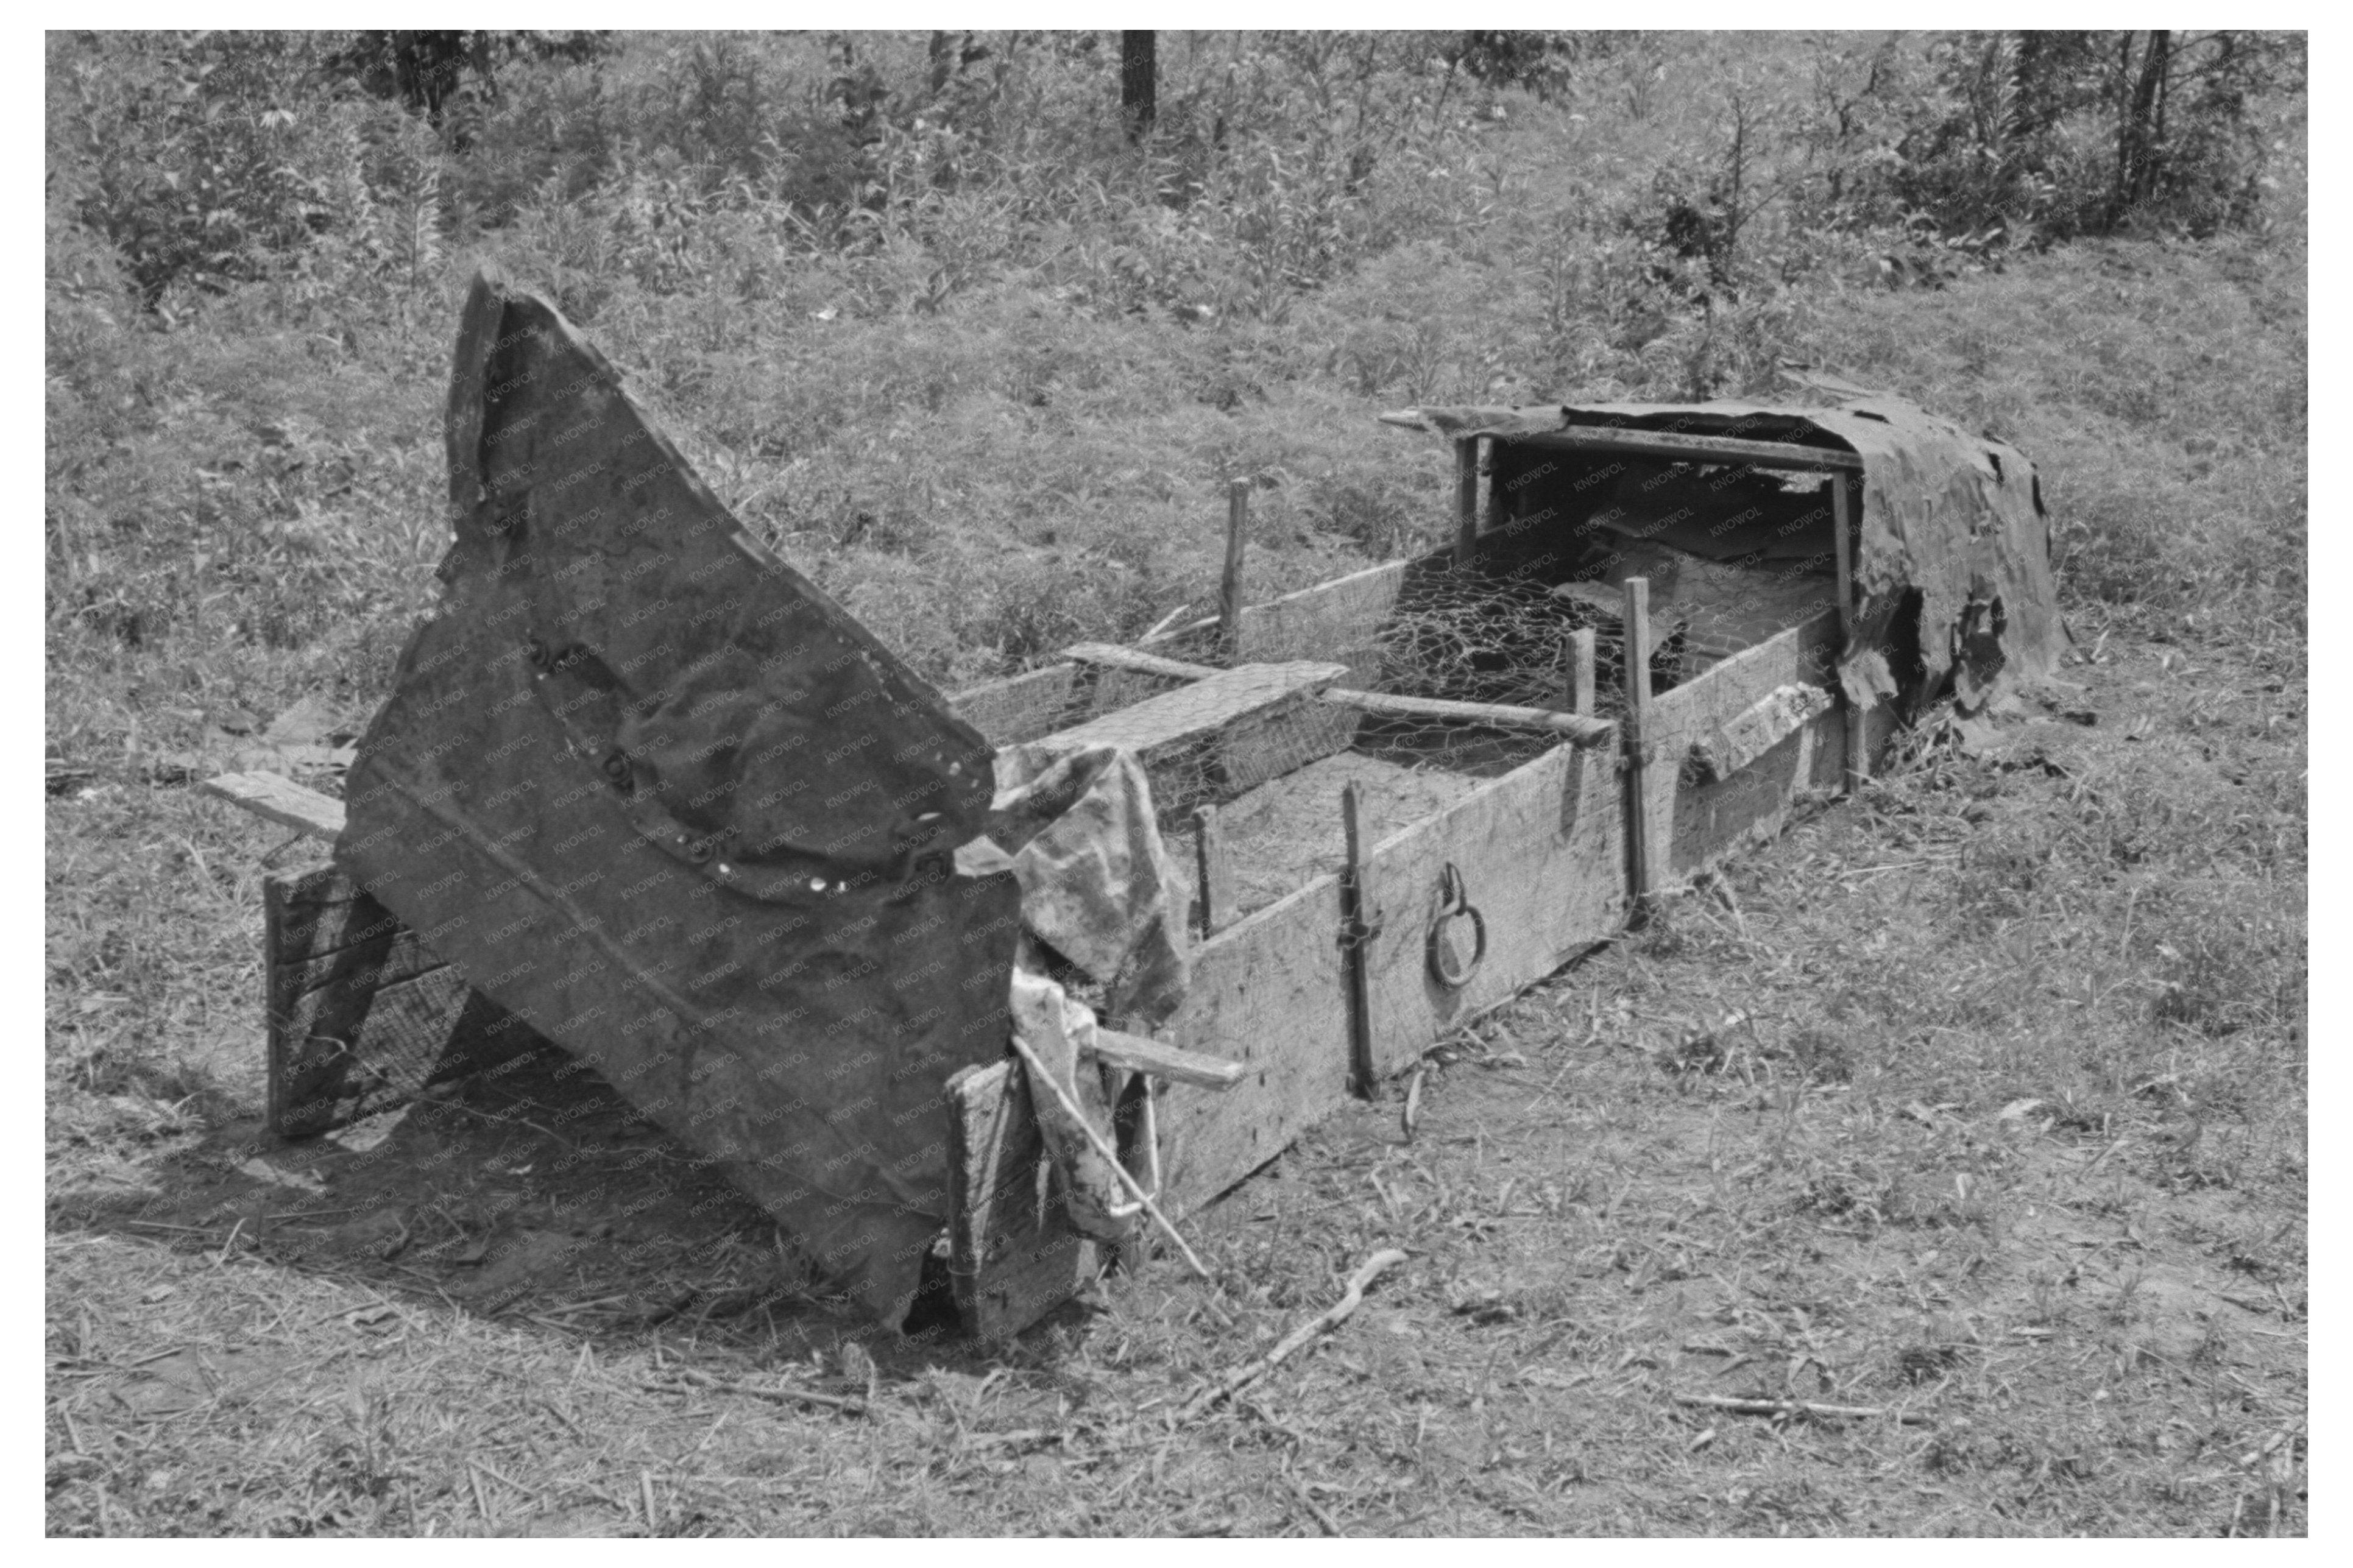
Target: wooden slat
(1540, 852)
(1696, 822)
(1640, 745)
(362, 1014)
(1113, 655)
(1340, 620)
(1576, 728)
(1756, 729)
(1215, 892)
(1012, 1254)
(282, 801)
(1022, 707)
(1268, 992)
(1158, 1058)
(1691, 448)
(1197, 712)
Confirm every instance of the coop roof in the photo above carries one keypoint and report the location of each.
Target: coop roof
(1956, 517)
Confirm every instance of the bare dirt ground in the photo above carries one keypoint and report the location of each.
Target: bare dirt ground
(1976, 1103)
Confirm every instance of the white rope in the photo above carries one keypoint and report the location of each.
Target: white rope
(1037, 1073)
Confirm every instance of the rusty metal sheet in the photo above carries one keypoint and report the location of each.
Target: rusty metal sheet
(651, 789)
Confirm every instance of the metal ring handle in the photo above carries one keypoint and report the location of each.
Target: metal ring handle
(1453, 900)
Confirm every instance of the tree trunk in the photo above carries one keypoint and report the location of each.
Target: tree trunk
(1138, 83)
(2138, 139)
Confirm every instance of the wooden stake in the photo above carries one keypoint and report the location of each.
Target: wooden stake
(1217, 871)
(1466, 501)
(1357, 932)
(1581, 671)
(1637, 731)
(1230, 587)
(1858, 750)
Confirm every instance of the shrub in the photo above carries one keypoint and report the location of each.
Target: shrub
(2054, 135)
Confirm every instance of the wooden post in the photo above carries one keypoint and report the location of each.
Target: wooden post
(1216, 872)
(1858, 752)
(1357, 932)
(1637, 731)
(1229, 588)
(1466, 501)
(1581, 671)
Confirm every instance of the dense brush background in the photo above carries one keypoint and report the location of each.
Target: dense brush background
(925, 318)
(980, 362)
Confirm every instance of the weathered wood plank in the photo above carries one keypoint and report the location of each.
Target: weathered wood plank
(1162, 725)
(1756, 729)
(1690, 448)
(1340, 621)
(1117, 658)
(1268, 992)
(1013, 1255)
(1139, 1053)
(1214, 901)
(282, 801)
(1694, 821)
(1716, 817)
(1540, 853)
(361, 1015)
(1022, 707)
(1640, 745)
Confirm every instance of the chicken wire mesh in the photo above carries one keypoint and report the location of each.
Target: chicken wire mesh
(1458, 636)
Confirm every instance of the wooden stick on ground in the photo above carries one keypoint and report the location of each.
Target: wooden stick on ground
(1314, 1328)
(1037, 1074)
(1322, 1517)
(782, 1393)
(1796, 1407)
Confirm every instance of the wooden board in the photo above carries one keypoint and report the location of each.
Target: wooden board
(1280, 838)
(361, 1014)
(1540, 853)
(1693, 823)
(282, 801)
(1268, 992)
(1339, 621)
(1217, 737)
(1675, 447)
(1192, 713)
(1739, 741)
(1012, 1254)
(1023, 707)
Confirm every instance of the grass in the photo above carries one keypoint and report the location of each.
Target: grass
(1979, 1097)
